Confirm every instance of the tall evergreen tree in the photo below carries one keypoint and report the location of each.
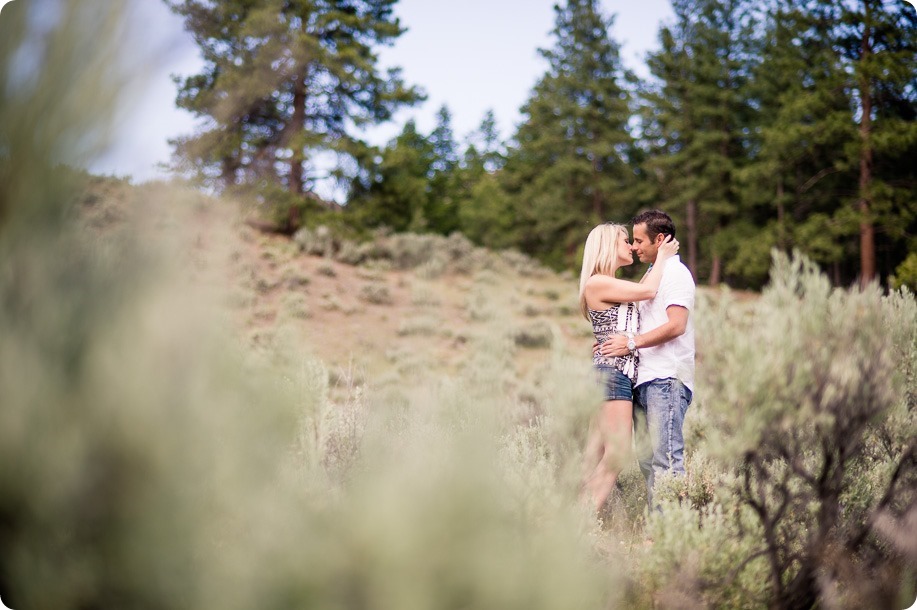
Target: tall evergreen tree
(394, 191)
(442, 202)
(283, 79)
(486, 146)
(568, 168)
(835, 100)
(484, 209)
(696, 123)
(442, 138)
(796, 176)
(878, 43)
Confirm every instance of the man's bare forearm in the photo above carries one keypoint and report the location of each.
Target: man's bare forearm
(668, 331)
(674, 327)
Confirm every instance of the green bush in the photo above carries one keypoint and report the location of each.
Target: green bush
(533, 335)
(800, 390)
(431, 255)
(376, 293)
(906, 274)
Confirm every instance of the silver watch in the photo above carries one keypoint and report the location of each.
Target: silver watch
(631, 344)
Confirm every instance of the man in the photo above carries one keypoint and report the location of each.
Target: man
(665, 375)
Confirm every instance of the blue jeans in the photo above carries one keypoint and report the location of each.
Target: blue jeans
(659, 415)
(615, 384)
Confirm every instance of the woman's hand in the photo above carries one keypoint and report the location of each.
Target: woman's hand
(667, 249)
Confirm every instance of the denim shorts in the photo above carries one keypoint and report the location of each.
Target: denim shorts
(615, 384)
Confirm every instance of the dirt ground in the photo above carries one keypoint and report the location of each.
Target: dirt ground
(376, 321)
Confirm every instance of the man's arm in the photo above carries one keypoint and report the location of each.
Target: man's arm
(674, 327)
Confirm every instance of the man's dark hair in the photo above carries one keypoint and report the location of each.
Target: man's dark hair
(656, 222)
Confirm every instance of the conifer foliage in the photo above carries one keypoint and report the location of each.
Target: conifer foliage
(283, 80)
(485, 214)
(393, 191)
(787, 125)
(569, 167)
(795, 177)
(878, 49)
(695, 125)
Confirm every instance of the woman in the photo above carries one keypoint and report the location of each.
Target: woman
(610, 304)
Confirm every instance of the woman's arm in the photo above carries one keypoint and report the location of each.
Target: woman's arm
(607, 289)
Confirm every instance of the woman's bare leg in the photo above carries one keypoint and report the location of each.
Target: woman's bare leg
(592, 457)
(607, 450)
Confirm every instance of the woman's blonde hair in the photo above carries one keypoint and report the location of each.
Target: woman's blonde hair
(599, 256)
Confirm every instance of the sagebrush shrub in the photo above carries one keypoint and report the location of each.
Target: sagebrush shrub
(376, 293)
(534, 334)
(799, 389)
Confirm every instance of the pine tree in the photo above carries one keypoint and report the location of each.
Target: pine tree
(485, 145)
(568, 169)
(282, 80)
(696, 124)
(484, 208)
(878, 43)
(394, 191)
(837, 127)
(442, 202)
(796, 177)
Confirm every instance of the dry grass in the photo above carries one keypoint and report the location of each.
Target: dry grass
(358, 314)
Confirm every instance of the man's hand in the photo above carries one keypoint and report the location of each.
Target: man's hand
(616, 345)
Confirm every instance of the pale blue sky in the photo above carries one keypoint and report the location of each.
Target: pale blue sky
(471, 55)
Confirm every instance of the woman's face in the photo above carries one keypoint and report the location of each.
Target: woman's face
(625, 255)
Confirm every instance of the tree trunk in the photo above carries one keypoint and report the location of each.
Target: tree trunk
(715, 270)
(294, 214)
(781, 217)
(297, 122)
(691, 225)
(228, 172)
(801, 593)
(867, 231)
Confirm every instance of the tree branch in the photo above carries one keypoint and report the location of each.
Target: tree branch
(811, 181)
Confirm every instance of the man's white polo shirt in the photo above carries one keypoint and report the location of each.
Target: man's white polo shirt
(673, 358)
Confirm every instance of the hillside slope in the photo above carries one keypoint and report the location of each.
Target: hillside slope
(412, 308)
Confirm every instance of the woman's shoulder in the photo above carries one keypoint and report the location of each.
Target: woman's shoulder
(600, 279)
(597, 283)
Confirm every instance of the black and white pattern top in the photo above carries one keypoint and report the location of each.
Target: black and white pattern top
(618, 319)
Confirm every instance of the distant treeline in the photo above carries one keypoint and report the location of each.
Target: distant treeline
(765, 124)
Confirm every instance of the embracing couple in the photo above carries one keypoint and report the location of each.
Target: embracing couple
(644, 352)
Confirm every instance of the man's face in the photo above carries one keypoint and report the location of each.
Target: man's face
(643, 246)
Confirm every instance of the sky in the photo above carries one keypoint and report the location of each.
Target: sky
(472, 56)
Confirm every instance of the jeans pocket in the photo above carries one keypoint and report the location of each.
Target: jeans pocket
(666, 390)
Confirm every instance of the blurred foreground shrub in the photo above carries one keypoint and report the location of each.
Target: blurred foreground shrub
(808, 427)
(150, 458)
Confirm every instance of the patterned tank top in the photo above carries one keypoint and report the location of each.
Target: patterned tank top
(616, 320)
